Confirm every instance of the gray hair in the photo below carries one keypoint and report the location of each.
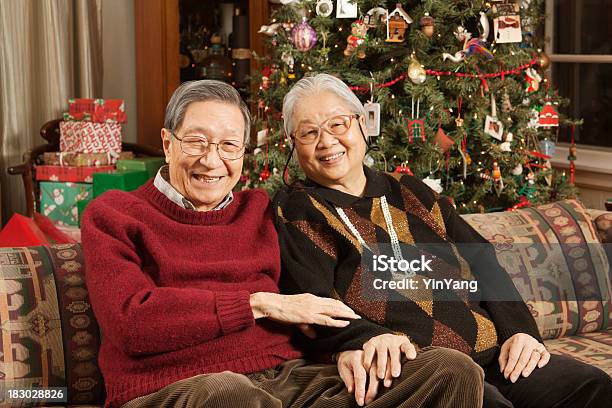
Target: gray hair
(314, 85)
(201, 91)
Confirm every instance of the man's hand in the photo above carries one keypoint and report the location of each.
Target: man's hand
(303, 309)
(356, 377)
(388, 349)
(520, 355)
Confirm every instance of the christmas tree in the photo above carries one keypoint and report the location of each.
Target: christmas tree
(456, 93)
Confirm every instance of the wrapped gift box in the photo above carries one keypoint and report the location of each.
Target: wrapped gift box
(84, 159)
(96, 110)
(58, 200)
(118, 180)
(109, 110)
(90, 137)
(80, 109)
(81, 205)
(149, 164)
(74, 174)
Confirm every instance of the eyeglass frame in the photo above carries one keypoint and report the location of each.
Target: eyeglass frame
(243, 148)
(323, 125)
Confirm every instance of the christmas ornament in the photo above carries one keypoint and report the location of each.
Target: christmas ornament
(547, 147)
(533, 79)
(264, 174)
(548, 117)
(416, 127)
(459, 120)
(498, 181)
(442, 140)
(372, 118)
(506, 141)
(324, 8)
(397, 24)
(483, 27)
(544, 60)
(471, 46)
(506, 105)
(358, 36)
(493, 126)
(548, 174)
(266, 72)
(346, 9)
(434, 184)
(375, 17)
(269, 30)
(404, 169)
(507, 24)
(533, 119)
(303, 36)
(518, 170)
(427, 25)
(416, 72)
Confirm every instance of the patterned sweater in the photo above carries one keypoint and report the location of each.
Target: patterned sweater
(321, 255)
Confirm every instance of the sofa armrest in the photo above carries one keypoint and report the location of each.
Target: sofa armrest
(603, 222)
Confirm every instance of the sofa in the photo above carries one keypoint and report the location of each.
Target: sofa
(50, 337)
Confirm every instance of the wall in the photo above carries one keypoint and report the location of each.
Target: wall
(119, 54)
(593, 173)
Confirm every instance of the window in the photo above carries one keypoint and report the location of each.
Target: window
(579, 34)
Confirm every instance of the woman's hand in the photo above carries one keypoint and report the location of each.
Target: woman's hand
(520, 355)
(356, 377)
(388, 349)
(304, 309)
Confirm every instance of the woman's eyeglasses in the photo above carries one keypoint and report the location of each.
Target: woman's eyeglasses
(198, 145)
(338, 125)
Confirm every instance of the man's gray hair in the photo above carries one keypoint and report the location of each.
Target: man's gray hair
(315, 85)
(201, 91)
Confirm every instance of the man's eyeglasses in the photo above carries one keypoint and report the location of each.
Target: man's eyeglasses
(338, 125)
(198, 145)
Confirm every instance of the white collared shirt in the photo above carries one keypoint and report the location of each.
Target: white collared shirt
(162, 182)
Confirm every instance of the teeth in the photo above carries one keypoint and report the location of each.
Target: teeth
(332, 157)
(206, 179)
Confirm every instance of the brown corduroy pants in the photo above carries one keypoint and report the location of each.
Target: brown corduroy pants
(438, 377)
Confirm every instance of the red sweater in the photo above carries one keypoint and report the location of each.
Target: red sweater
(170, 289)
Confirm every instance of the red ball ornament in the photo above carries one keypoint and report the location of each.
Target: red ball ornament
(264, 175)
(303, 36)
(403, 169)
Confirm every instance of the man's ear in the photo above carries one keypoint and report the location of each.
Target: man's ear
(166, 137)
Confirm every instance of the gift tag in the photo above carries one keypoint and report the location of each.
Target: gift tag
(372, 118)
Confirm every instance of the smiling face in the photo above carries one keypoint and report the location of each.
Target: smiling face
(331, 161)
(205, 180)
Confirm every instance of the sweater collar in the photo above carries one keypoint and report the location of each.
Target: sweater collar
(377, 185)
(183, 215)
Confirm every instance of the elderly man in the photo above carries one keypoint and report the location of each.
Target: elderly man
(183, 278)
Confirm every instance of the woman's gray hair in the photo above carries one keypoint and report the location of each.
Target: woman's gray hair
(201, 91)
(314, 85)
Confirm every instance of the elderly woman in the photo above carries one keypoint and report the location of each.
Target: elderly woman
(345, 208)
(183, 276)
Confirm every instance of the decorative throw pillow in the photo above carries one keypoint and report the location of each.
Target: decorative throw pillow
(554, 256)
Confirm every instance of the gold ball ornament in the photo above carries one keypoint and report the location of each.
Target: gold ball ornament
(544, 60)
(416, 72)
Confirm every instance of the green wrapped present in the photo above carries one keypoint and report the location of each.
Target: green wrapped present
(118, 180)
(81, 207)
(149, 164)
(58, 200)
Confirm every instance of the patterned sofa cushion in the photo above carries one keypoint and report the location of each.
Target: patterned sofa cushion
(591, 348)
(50, 337)
(603, 222)
(550, 277)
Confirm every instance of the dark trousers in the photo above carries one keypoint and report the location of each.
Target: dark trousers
(563, 382)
